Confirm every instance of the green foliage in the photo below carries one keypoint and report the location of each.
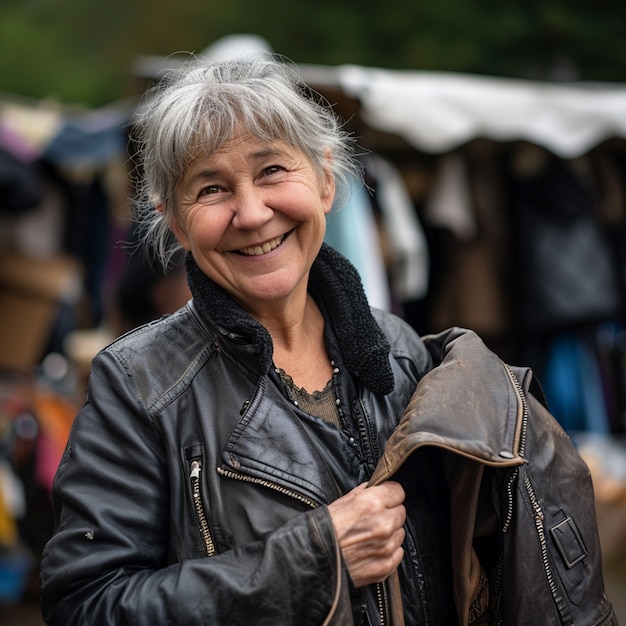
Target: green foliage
(81, 51)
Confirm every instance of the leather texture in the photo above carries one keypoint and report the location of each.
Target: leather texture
(193, 393)
(192, 491)
(516, 482)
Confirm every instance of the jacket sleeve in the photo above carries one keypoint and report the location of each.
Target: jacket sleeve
(110, 558)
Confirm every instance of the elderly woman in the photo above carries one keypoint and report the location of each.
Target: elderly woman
(217, 472)
(243, 427)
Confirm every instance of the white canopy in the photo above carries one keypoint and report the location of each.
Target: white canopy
(438, 111)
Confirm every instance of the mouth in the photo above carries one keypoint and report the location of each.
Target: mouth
(265, 247)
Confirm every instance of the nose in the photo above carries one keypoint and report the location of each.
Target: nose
(250, 208)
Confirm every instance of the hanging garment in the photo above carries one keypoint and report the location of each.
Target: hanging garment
(471, 290)
(352, 231)
(573, 385)
(408, 249)
(20, 187)
(565, 264)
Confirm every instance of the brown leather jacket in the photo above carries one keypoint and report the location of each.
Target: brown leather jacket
(524, 535)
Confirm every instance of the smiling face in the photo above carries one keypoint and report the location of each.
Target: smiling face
(253, 216)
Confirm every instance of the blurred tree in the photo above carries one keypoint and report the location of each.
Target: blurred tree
(82, 50)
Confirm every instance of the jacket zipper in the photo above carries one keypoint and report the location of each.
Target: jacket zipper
(381, 595)
(539, 518)
(522, 397)
(205, 533)
(509, 495)
(266, 483)
(521, 448)
(368, 437)
(534, 501)
(509, 492)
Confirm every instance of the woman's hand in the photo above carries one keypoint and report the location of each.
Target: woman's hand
(369, 527)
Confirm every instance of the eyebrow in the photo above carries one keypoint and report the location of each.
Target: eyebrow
(198, 176)
(257, 155)
(266, 152)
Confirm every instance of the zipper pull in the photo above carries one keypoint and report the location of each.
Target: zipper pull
(196, 466)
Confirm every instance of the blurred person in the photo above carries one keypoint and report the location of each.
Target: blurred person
(278, 452)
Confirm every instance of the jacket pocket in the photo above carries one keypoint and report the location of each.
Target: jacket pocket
(195, 467)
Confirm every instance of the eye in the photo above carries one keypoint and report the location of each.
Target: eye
(209, 190)
(272, 169)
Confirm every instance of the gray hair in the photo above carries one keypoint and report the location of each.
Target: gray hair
(200, 106)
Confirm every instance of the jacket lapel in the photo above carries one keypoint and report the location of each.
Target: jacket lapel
(466, 404)
(271, 444)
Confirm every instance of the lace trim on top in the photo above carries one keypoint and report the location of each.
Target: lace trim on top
(321, 404)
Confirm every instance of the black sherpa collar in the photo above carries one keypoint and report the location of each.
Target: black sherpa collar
(336, 285)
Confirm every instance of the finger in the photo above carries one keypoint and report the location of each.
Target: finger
(391, 493)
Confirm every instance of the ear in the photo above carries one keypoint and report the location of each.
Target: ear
(328, 182)
(175, 226)
(180, 233)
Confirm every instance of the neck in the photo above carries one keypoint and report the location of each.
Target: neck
(299, 347)
(336, 283)
(292, 325)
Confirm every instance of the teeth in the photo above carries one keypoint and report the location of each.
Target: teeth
(268, 246)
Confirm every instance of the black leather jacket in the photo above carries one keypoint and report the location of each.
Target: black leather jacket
(187, 449)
